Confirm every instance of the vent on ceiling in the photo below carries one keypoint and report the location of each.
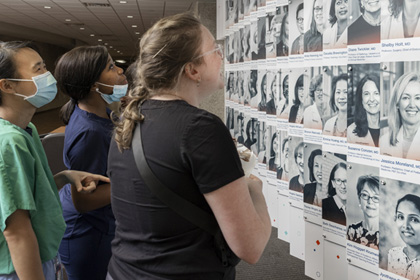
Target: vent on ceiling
(102, 5)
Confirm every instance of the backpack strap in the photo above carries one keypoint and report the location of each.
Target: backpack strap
(180, 205)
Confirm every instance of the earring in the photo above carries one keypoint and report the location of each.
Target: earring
(198, 82)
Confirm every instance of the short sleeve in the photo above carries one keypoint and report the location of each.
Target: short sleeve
(17, 178)
(208, 148)
(89, 152)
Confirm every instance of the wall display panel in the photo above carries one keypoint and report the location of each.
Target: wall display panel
(314, 191)
(296, 171)
(335, 80)
(399, 238)
(363, 113)
(400, 29)
(360, 112)
(334, 176)
(362, 211)
(314, 251)
(297, 233)
(335, 263)
(334, 38)
(364, 31)
(315, 103)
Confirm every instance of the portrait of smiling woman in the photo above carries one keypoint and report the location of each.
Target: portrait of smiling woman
(401, 138)
(403, 20)
(365, 128)
(335, 35)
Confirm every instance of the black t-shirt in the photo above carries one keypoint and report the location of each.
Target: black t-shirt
(191, 152)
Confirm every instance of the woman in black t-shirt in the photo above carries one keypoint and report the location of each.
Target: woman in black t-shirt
(192, 153)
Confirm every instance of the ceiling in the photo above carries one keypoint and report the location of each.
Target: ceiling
(114, 23)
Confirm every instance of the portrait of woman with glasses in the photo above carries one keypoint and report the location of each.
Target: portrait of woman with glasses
(297, 46)
(313, 37)
(366, 232)
(312, 114)
(335, 35)
(334, 206)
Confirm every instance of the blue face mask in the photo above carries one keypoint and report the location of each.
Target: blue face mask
(118, 92)
(46, 86)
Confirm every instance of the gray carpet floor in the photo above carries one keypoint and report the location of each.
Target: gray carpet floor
(275, 263)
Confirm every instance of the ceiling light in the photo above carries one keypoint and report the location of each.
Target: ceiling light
(134, 26)
(106, 44)
(99, 40)
(110, 47)
(129, 16)
(137, 33)
(123, 2)
(47, 7)
(67, 19)
(92, 35)
(120, 61)
(82, 28)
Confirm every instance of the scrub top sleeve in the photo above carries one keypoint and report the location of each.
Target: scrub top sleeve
(17, 178)
(211, 154)
(89, 153)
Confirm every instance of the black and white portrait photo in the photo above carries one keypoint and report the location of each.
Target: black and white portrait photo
(262, 93)
(314, 191)
(272, 92)
(315, 17)
(261, 37)
(334, 170)
(335, 34)
(251, 134)
(253, 89)
(262, 141)
(365, 22)
(363, 205)
(400, 19)
(296, 164)
(283, 103)
(335, 81)
(400, 115)
(399, 226)
(316, 101)
(273, 153)
(297, 28)
(364, 105)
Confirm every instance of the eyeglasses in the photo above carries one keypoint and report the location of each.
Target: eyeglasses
(218, 49)
(299, 20)
(340, 182)
(318, 9)
(365, 196)
(319, 92)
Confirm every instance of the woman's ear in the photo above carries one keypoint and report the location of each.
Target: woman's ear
(192, 72)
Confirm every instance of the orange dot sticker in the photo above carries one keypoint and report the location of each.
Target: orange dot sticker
(317, 242)
(338, 257)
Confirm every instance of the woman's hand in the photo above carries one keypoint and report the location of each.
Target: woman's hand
(82, 181)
